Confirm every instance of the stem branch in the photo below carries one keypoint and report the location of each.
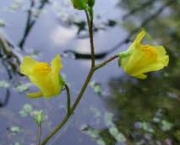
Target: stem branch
(85, 84)
(105, 62)
(59, 126)
(68, 99)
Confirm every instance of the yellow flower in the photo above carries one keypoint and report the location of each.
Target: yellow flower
(139, 59)
(46, 77)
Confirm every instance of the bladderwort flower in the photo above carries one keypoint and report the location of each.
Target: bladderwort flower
(142, 58)
(43, 75)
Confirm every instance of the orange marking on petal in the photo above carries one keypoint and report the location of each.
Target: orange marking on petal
(149, 51)
(42, 68)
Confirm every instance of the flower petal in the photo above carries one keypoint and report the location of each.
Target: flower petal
(141, 76)
(35, 95)
(27, 65)
(57, 80)
(140, 36)
(56, 64)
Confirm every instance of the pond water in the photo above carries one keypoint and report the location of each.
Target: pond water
(125, 111)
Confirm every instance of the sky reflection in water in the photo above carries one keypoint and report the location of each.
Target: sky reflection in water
(130, 100)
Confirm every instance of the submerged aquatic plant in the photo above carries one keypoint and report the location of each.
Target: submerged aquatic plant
(139, 58)
(136, 60)
(46, 77)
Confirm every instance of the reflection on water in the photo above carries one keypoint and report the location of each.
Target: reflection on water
(142, 112)
(147, 111)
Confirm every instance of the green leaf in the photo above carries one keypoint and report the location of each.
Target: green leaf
(4, 84)
(147, 127)
(108, 119)
(93, 133)
(100, 141)
(120, 137)
(26, 110)
(15, 129)
(156, 120)
(116, 134)
(165, 125)
(96, 87)
(23, 87)
(96, 112)
(22, 113)
(38, 116)
(16, 5)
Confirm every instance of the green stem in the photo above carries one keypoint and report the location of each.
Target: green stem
(59, 126)
(66, 118)
(39, 134)
(91, 72)
(90, 26)
(84, 86)
(105, 62)
(68, 99)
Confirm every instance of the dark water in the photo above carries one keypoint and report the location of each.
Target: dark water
(126, 104)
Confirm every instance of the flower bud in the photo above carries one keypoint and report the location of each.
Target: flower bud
(38, 116)
(91, 3)
(80, 4)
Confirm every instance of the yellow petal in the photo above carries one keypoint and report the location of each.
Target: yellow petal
(57, 80)
(35, 95)
(154, 63)
(162, 55)
(44, 83)
(56, 64)
(27, 65)
(140, 36)
(141, 76)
